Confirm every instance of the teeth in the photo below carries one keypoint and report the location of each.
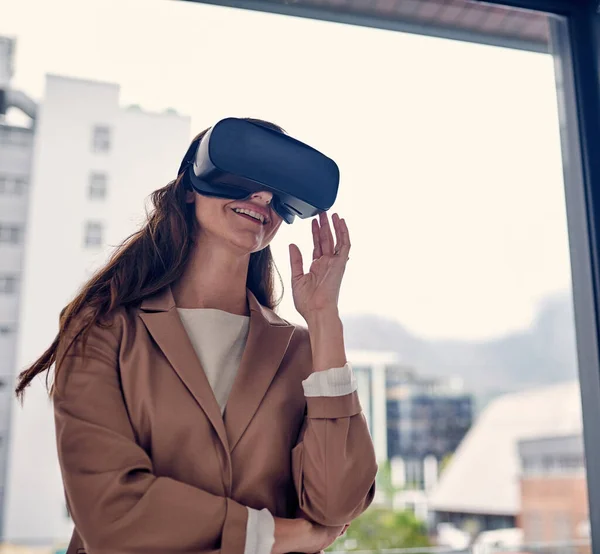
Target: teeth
(255, 215)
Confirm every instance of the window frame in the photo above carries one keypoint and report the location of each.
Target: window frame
(575, 45)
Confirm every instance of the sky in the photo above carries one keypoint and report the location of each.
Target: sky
(449, 152)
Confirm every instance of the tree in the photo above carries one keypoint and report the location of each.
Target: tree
(380, 528)
(445, 463)
(384, 484)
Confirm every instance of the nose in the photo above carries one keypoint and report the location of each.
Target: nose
(263, 195)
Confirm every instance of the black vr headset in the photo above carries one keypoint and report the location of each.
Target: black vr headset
(237, 157)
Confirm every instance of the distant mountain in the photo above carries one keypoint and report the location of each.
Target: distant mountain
(543, 354)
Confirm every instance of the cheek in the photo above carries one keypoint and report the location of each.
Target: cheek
(272, 233)
(209, 211)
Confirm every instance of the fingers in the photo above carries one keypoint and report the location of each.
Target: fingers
(342, 236)
(325, 235)
(296, 262)
(317, 252)
(323, 243)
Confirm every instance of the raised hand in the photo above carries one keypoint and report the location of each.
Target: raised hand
(318, 290)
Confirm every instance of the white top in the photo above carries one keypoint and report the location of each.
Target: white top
(219, 339)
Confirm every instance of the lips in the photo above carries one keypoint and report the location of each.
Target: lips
(249, 217)
(254, 212)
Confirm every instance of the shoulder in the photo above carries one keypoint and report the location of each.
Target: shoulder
(91, 338)
(88, 316)
(104, 331)
(299, 331)
(88, 347)
(299, 345)
(299, 353)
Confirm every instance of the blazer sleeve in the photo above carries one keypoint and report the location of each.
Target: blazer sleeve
(333, 462)
(117, 504)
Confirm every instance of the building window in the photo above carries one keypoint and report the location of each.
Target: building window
(10, 233)
(15, 136)
(97, 188)
(93, 234)
(12, 186)
(6, 329)
(19, 184)
(101, 139)
(8, 284)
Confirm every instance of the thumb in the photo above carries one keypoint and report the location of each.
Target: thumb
(296, 262)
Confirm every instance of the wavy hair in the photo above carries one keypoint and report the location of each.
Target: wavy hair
(145, 262)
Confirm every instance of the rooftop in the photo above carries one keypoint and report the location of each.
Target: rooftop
(483, 476)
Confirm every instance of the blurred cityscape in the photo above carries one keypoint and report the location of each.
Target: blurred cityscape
(509, 477)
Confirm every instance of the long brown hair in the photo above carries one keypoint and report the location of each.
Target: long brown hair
(144, 263)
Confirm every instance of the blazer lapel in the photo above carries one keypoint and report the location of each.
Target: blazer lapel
(268, 339)
(160, 316)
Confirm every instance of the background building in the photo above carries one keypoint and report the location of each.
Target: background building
(480, 490)
(426, 421)
(554, 500)
(370, 368)
(415, 422)
(16, 148)
(98, 161)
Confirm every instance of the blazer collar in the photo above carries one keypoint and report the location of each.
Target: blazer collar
(163, 301)
(268, 339)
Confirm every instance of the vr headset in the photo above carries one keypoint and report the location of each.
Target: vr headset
(237, 157)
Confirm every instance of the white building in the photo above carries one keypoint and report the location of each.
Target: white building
(94, 165)
(383, 384)
(370, 368)
(17, 120)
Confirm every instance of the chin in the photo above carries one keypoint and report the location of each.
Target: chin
(247, 247)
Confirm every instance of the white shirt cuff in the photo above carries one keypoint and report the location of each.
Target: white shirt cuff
(260, 532)
(337, 381)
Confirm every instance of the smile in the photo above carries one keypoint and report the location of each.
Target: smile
(255, 216)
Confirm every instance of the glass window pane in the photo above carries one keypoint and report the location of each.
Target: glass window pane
(97, 187)
(457, 299)
(93, 234)
(101, 139)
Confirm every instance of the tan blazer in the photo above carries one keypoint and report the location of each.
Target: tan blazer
(151, 467)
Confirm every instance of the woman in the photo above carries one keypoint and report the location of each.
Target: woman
(189, 416)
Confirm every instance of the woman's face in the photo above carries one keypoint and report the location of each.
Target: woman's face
(225, 220)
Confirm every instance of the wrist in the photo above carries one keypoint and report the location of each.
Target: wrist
(327, 315)
(290, 535)
(326, 334)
